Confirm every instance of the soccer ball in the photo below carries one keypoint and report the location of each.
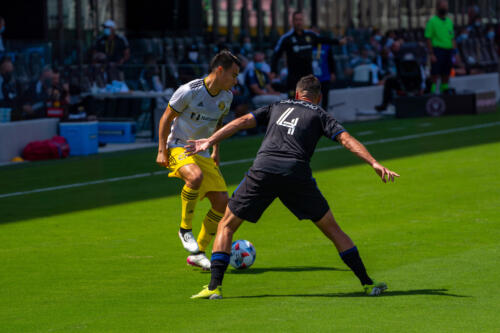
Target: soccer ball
(242, 254)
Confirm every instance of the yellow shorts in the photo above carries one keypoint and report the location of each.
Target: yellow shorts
(212, 177)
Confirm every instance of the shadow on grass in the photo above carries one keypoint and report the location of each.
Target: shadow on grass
(104, 166)
(413, 292)
(258, 270)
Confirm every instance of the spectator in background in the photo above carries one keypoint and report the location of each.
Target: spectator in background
(490, 33)
(2, 30)
(476, 23)
(190, 67)
(34, 101)
(385, 62)
(441, 45)
(149, 78)
(8, 92)
(324, 69)
(246, 47)
(113, 47)
(376, 41)
(390, 37)
(259, 84)
(463, 36)
(409, 77)
(363, 62)
(61, 87)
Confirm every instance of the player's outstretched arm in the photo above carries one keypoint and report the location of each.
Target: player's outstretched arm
(357, 148)
(196, 146)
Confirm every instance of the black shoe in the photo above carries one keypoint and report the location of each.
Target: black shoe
(381, 107)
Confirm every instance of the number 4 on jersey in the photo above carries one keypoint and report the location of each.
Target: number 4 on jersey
(290, 124)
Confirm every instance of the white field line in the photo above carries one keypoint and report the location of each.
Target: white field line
(246, 160)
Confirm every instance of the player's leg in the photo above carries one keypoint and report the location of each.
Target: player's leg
(218, 201)
(435, 70)
(250, 199)
(220, 255)
(349, 253)
(193, 178)
(446, 66)
(306, 201)
(221, 250)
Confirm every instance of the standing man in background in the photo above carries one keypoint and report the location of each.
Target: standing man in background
(298, 45)
(323, 68)
(441, 44)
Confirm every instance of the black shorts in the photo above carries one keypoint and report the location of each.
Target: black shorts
(444, 62)
(259, 189)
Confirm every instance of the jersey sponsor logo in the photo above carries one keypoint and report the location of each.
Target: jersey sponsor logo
(290, 124)
(222, 105)
(298, 48)
(199, 116)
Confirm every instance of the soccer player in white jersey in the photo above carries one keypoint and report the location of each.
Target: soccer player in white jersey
(196, 111)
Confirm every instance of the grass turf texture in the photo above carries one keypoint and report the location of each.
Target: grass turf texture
(107, 258)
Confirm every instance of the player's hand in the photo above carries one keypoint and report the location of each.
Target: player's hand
(433, 58)
(215, 156)
(195, 146)
(384, 173)
(162, 158)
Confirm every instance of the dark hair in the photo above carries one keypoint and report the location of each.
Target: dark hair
(297, 12)
(225, 59)
(5, 59)
(440, 2)
(309, 85)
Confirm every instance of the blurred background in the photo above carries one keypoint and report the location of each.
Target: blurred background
(120, 60)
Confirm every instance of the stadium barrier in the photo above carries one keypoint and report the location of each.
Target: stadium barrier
(14, 136)
(347, 104)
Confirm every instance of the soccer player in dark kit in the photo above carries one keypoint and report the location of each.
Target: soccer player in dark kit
(281, 170)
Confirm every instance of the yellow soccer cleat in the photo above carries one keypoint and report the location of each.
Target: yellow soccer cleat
(375, 289)
(210, 294)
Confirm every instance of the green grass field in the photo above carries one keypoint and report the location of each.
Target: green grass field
(106, 257)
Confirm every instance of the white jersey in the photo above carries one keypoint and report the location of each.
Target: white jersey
(199, 112)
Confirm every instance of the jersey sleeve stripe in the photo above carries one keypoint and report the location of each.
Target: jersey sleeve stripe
(170, 106)
(280, 41)
(254, 117)
(335, 135)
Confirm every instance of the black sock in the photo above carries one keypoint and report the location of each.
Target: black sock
(218, 267)
(183, 231)
(353, 260)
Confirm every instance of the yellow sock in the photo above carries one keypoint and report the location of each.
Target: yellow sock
(189, 198)
(208, 228)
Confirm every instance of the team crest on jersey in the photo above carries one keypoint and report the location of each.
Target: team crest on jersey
(222, 105)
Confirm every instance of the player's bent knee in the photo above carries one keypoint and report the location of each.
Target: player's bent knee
(195, 179)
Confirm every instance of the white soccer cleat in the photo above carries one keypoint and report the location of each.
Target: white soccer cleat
(189, 242)
(199, 260)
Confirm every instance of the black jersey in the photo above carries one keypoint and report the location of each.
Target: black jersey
(293, 130)
(298, 49)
